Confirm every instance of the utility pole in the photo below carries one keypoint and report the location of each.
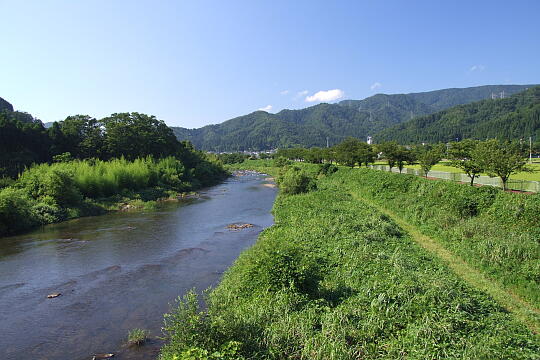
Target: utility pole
(327, 143)
(530, 149)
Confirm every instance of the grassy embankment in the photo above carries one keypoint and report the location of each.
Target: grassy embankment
(335, 278)
(46, 193)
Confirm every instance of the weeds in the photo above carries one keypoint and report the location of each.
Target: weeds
(336, 279)
(137, 337)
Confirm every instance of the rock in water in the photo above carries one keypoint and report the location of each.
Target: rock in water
(53, 295)
(239, 226)
(102, 356)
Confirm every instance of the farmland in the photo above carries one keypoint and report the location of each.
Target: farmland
(337, 277)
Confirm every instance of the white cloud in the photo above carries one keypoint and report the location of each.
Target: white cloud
(328, 95)
(300, 94)
(477, 68)
(375, 85)
(267, 108)
(284, 92)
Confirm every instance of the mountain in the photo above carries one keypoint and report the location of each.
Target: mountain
(4, 105)
(515, 117)
(313, 125)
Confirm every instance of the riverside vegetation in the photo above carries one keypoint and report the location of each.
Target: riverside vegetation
(337, 278)
(82, 166)
(49, 193)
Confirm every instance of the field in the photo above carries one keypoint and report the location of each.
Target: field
(445, 166)
(338, 277)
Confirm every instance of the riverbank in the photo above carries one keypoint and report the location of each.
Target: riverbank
(46, 194)
(335, 278)
(121, 271)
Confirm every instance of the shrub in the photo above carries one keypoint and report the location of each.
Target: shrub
(15, 211)
(327, 169)
(281, 162)
(295, 181)
(5, 182)
(47, 211)
(137, 337)
(52, 182)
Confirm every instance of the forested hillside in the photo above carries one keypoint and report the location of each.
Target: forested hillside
(4, 105)
(311, 126)
(515, 117)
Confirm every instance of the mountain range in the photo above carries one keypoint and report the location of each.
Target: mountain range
(510, 118)
(315, 125)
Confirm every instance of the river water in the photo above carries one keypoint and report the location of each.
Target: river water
(120, 271)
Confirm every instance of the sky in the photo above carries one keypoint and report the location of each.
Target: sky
(193, 63)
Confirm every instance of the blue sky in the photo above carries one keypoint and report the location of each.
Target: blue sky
(201, 62)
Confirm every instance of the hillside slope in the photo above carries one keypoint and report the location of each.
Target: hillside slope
(515, 117)
(4, 105)
(313, 125)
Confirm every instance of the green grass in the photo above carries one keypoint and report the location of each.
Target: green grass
(445, 166)
(335, 278)
(137, 337)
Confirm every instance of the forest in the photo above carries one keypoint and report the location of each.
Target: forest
(83, 166)
(331, 123)
(513, 118)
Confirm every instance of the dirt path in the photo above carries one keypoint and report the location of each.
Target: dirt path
(524, 311)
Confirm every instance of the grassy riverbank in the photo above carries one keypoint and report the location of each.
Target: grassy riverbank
(335, 278)
(46, 193)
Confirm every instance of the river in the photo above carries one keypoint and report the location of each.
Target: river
(120, 271)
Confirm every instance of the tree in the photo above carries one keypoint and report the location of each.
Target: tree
(389, 151)
(428, 156)
(366, 154)
(500, 159)
(134, 135)
(348, 151)
(463, 156)
(83, 137)
(402, 155)
(22, 143)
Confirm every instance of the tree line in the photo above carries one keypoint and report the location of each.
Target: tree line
(493, 157)
(25, 141)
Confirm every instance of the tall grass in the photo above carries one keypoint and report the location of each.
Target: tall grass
(336, 279)
(49, 193)
(495, 231)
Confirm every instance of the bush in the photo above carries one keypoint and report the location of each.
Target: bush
(327, 169)
(52, 182)
(15, 211)
(5, 182)
(137, 337)
(281, 162)
(47, 211)
(295, 181)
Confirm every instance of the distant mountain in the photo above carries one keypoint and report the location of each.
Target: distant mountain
(515, 117)
(4, 105)
(313, 125)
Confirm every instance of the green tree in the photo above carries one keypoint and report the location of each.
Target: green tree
(348, 151)
(389, 150)
(428, 156)
(403, 155)
(134, 135)
(83, 137)
(463, 156)
(501, 159)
